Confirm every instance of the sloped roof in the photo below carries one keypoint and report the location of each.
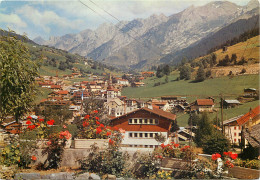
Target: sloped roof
(232, 101)
(253, 136)
(205, 102)
(158, 112)
(63, 92)
(232, 119)
(250, 115)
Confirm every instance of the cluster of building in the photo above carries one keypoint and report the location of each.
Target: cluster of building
(142, 120)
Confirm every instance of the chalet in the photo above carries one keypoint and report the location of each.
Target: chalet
(76, 75)
(115, 107)
(250, 92)
(138, 84)
(56, 87)
(175, 100)
(185, 134)
(123, 82)
(147, 74)
(143, 125)
(230, 103)
(233, 130)
(46, 84)
(234, 126)
(53, 94)
(64, 94)
(160, 104)
(13, 127)
(78, 96)
(202, 105)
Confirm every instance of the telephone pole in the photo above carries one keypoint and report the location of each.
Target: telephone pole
(222, 119)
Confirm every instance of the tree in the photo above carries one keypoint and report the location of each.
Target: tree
(209, 138)
(194, 119)
(234, 58)
(204, 129)
(166, 79)
(201, 76)
(175, 126)
(214, 58)
(166, 70)
(17, 77)
(215, 143)
(60, 114)
(185, 72)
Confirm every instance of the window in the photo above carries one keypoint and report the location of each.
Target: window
(239, 127)
(146, 146)
(151, 146)
(235, 134)
(130, 134)
(130, 121)
(239, 134)
(135, 121)
(141, 135)
(146, 135)
(235, 128)
(145, 121)
(141, 121)
(235, 140)
(151, 135)
(136, 135)
(156, 121)
(151, 121)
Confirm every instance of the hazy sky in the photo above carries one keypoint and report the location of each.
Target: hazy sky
(47, 18)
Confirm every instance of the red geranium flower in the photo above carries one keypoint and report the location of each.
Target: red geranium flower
(49, 143)
(31, 127)
(65, 134)
(86, 117)
(233, 156)
(85, 123)
(98, 123)
(108, 133)
(225, 153)
(29, 117)
(95, 111)
(176, 145)
(41, 120)
(28, 122)
(50, 122)
(111, 141)
(34, 158)
(97, 118)
(162, 145)
(218, 155)
(99, 130)
(101, 125)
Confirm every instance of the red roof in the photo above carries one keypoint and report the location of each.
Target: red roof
(205, 102)
(55, 86)
(63, 92)
(250, 115)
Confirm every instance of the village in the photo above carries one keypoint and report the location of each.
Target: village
(107, 90)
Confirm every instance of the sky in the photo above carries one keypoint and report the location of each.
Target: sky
(47, 18)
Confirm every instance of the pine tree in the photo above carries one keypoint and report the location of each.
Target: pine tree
(201, 76)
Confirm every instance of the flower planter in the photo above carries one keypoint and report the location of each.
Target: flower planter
(86, 143)
(243, 173)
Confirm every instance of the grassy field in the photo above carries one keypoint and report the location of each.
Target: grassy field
(182, 119)
(211, 87)
(249, 49)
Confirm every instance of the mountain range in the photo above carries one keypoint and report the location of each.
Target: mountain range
(161, 39)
